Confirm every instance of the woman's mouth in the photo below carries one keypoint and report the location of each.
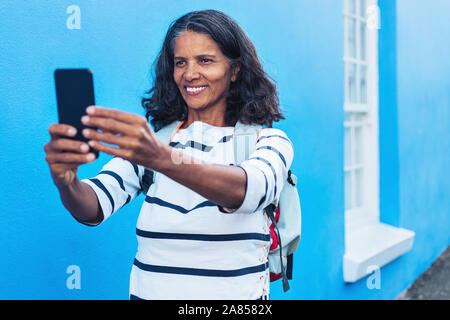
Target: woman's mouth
(193, 91)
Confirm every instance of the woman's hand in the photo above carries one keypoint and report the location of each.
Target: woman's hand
(64, 155)
(132, 134)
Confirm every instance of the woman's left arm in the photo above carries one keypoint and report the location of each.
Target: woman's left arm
(222, 184)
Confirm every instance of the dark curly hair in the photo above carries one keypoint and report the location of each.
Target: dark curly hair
(252, 98)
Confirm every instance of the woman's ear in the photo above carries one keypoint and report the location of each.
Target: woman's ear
(236, 69)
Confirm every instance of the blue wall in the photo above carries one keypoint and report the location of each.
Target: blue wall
(414, 67)
(118, 42)
(301, 46)
(423, 67)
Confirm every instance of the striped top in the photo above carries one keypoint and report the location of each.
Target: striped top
(188, 246)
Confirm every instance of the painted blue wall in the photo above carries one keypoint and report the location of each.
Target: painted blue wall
(301, 46)
(423, 76)
(414, 62)
(118, 42)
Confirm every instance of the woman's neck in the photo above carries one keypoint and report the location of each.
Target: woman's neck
(216, 119)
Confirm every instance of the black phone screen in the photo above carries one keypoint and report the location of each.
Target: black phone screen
(74, 93)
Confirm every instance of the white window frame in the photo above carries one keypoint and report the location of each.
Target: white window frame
(369, 244)
(356, 218)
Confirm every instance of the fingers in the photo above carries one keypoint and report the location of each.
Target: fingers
(118, 152)
(58, 130)
(65, 155)
(64, 150)
(110, 125)
(109, 137)
(121, 116)
(69, 158)
(61, 145)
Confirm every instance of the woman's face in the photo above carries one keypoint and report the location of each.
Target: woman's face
(201, 71)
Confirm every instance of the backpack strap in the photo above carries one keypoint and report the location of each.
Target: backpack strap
(244, 139)
(289, 266)
(270, 209)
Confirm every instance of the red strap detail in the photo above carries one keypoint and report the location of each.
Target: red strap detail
(275, 276)
(176, 129)
(259, 133)
(274, 238)
(272, 230)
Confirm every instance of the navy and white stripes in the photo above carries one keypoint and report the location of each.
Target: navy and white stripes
(267, 166)
(178, 208)
(187, 247)
(203, 237)
(201, 272)
(116, 184)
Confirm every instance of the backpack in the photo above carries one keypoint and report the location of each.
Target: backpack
(285, 216)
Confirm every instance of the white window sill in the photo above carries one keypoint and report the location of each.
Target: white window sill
(374, 245)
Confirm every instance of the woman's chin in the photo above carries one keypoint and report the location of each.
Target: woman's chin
(196, 107)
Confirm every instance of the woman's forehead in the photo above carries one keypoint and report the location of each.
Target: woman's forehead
(194, 43)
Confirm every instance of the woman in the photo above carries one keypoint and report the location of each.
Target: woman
(202, 233)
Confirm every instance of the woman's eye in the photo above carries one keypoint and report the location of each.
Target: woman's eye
(204, 60)
(179, 63)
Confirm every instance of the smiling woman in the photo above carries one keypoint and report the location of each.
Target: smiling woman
(202, 232)
(220, 44)
(203, 75)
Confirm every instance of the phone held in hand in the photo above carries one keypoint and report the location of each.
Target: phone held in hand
(74, 93)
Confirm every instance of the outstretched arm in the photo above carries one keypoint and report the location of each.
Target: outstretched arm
(136, 141)
(222, 184)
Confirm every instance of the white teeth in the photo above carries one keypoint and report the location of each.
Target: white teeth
(197, 89)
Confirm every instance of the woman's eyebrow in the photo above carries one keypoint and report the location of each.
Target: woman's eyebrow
(200, 56)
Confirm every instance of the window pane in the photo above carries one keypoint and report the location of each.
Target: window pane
(347, 116)
(362, 40)
(362, 8)
(358, 118)
(363, 84)
(347, 147)
(351, 82)
(351, 38)
(359, 187)
(352, 6)
(348, 189)
(359, 145)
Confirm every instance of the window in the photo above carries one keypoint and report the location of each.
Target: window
(361, 116)
(368, 242)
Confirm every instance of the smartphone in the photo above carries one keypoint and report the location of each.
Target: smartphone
(74, 93)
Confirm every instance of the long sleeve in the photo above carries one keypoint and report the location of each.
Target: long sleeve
(266, 170)
(116, 184)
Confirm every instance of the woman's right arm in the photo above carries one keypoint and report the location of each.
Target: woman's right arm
(64, 156)
(81, 201)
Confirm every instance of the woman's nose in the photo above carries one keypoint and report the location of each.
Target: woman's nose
(191, 72)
